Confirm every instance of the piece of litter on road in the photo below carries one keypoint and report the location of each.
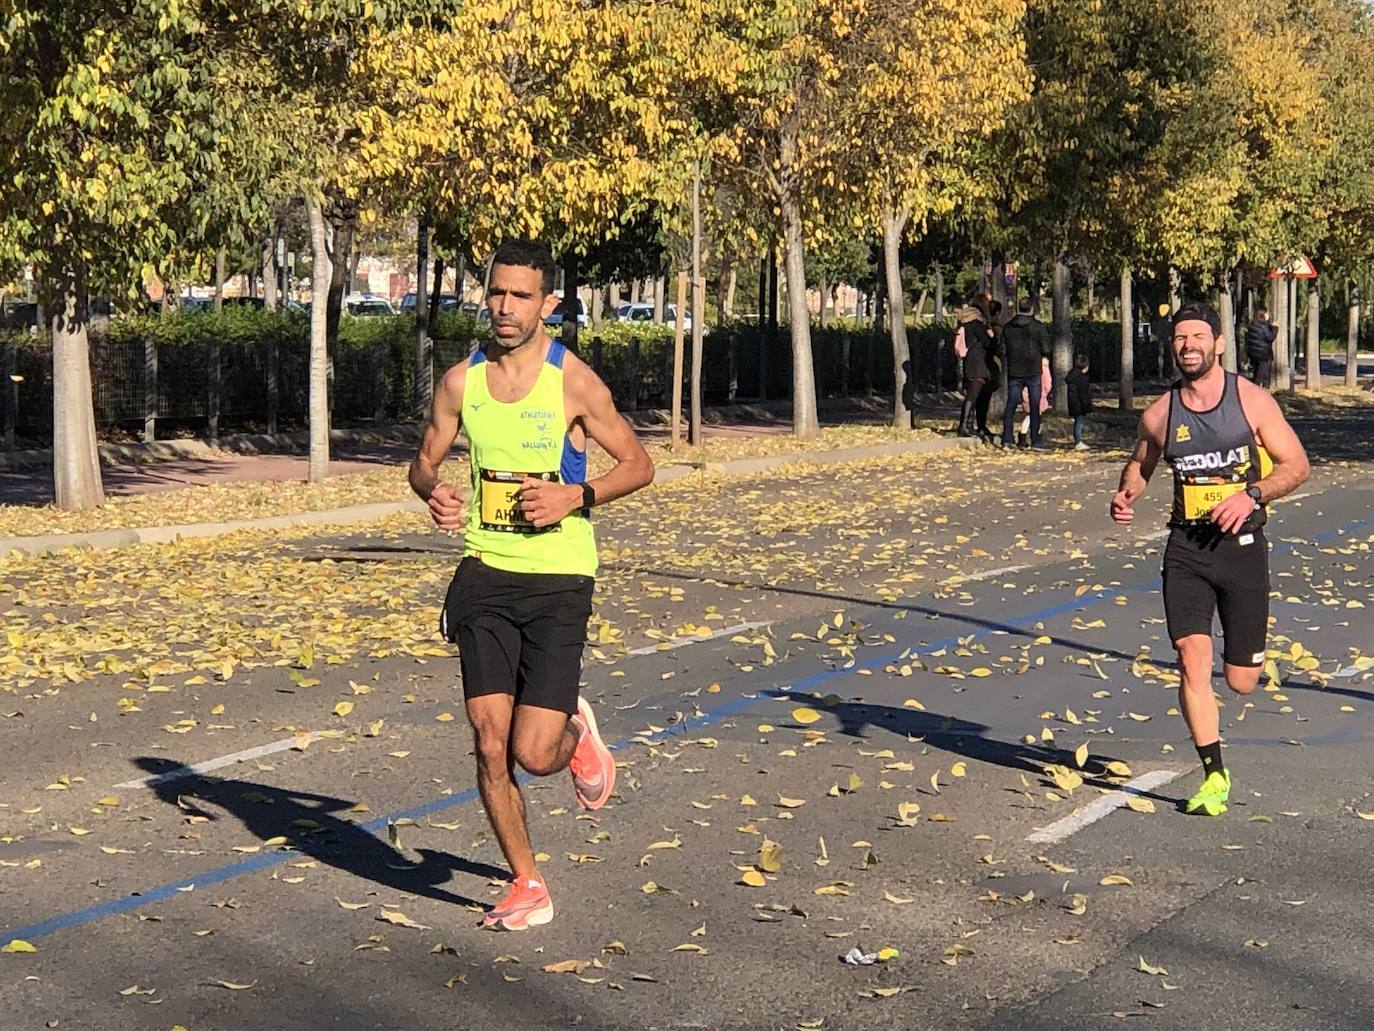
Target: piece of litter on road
(858, 958)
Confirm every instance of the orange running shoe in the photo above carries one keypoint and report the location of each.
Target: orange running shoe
(592, 765)
(527, 904)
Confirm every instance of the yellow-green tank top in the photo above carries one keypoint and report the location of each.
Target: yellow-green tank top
(507, 442)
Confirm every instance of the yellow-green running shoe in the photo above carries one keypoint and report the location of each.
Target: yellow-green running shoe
(1211, 797)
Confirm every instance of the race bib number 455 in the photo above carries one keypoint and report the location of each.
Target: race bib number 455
(1200, 498)
(500, 501)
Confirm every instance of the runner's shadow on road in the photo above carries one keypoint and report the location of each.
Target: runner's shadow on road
(309, 822)
(964, 738)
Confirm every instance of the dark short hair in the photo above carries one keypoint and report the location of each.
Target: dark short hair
(1196, 311)
(526, 253)
(1261, 313)
(1080, 361)
(994, 308)
(1026, 306)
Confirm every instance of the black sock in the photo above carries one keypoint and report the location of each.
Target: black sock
(1211, 758)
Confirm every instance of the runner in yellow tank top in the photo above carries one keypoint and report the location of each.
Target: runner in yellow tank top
(518, 604)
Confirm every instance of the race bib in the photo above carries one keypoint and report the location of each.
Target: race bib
(1200, 498)
(500, 504)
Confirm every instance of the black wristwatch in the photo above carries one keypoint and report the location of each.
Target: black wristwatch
(588, 497)
(1255, 495)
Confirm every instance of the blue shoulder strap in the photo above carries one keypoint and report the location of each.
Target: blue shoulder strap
(557, 349)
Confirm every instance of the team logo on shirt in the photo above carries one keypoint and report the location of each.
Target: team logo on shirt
(1236, 459)
(1182, 434)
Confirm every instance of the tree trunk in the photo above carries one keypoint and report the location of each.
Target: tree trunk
(1352, 335)
(805, 422)
(675, 402)
(1292, 327)
(269, 273)
(220, 260)
(939, 293)
(1125, 394)
(921, 303)
(825, 289)
(1063, 332)
(424, 372)
(340, 243)
(598, 308)
(1314, 342)
(1092, 292)
(436, 296)
(728, 308)
(570, 282)
(659, 289)
(321, 287)
(1282, 378)
(1227, 310)
(75, 456)
(903, 362)
(879, 295)
(698, 312)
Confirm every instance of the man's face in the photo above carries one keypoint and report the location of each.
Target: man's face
(518, 304)
(1196, 348)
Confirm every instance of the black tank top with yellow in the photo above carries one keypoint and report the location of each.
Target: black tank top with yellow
(1214, 454)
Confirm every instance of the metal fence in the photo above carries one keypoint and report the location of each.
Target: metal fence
(210, 388)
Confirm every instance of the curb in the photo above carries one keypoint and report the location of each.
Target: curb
(122, 538)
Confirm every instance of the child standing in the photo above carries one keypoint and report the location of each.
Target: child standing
(1080, 398)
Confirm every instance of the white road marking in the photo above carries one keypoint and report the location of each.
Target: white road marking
(1095, 810)
(219, 763)
(987, 574)
(683, 642)
(291, 742)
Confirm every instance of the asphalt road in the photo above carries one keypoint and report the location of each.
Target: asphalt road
(889, 671)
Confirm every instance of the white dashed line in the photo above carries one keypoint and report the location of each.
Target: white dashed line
(1095, 810)
(222, 761)
(683, 642)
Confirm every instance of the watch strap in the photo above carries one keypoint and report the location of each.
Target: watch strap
(588, 497)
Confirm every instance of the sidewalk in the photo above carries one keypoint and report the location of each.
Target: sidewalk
(133, 469)
(239, 468)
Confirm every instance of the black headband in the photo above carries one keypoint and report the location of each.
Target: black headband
(1196, 312)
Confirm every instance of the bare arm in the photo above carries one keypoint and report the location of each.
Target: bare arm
(591, 401)
(1291, 468)
(1149, 446)
(445, 504)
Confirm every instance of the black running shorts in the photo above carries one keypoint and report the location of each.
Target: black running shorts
(1207, 574)
(519, 634)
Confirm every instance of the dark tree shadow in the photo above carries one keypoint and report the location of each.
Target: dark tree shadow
(268, 812)
(961, 737)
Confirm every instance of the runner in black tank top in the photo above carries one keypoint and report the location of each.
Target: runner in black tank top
(1231, 452)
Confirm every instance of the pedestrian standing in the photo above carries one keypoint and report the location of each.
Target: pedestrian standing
(975, 336)
(1027, 346)
(1080, 395)
(1259, 348)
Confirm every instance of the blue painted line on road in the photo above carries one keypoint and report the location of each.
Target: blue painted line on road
(217, 875)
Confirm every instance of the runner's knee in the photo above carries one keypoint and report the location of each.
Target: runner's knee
(492, 754)
(538, 758)
(1242, 679)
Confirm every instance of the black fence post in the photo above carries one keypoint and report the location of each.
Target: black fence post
(11, 392)
(634, 372)
(732, 364)
(379, 380)
(149, 391)
(212, 389)
(273, 391)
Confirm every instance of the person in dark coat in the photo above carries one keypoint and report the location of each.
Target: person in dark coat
(1259, 347)
(1026, 343)
(1080, 395)
(977, 341)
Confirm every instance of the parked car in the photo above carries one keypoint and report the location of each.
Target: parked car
(644, 312)
(447, 302)
(367, 306)
(555, 320)
(20, 315)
